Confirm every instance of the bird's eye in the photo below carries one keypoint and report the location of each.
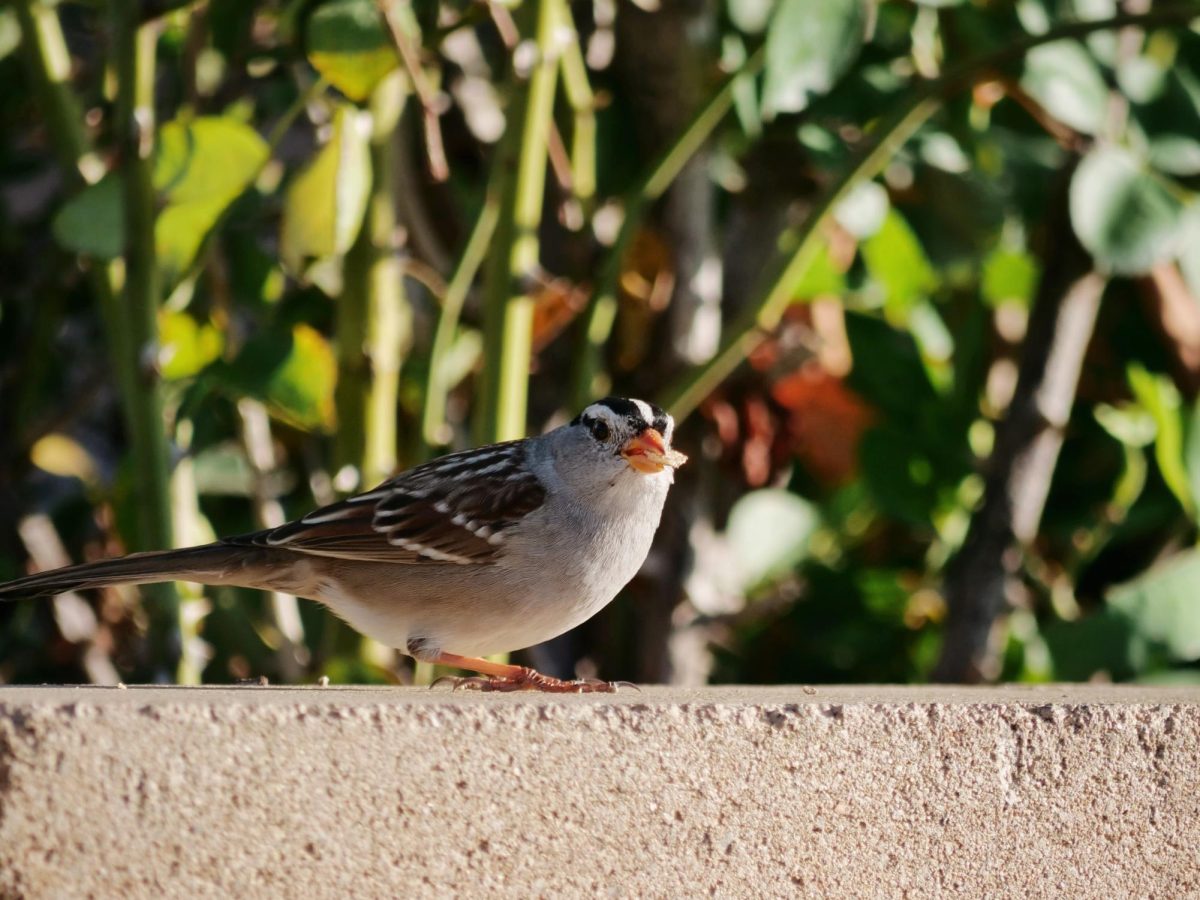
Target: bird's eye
(599, 430)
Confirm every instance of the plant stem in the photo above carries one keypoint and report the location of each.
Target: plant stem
(597, 321)
(130, 317)
(134, 58)
(435, 431)
(49, 63)
(508, 308)
(1062, 319)
(292, 653)
(798, 245)
(372, 325)
(439, 169)
(582, 100)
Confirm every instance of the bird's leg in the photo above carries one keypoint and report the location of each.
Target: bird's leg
(503, 677)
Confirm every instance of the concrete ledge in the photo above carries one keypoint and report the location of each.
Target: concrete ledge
(265, 792)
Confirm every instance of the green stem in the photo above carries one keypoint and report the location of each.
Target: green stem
(129, 319)
(291, 654)
(435, 431)
(582, 100)
(133, 56)
(597, 321)
(372, 325)
(798, 245)
(49, 64)
(508, 308)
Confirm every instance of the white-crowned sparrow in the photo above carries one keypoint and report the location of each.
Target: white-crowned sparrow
(479, 552)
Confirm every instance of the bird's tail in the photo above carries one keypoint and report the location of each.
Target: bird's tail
(207, 564)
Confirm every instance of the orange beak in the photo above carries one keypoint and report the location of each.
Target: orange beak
(648, 453)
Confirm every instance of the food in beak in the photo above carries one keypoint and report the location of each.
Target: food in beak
(648, 453)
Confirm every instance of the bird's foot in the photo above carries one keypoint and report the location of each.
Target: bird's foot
(527, 679)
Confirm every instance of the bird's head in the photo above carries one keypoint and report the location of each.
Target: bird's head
(621, 437)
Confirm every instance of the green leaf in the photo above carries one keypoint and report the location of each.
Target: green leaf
(934, 340)
(186, 346)
(348, 44)
(92, 223)
(293, 374)
(899, 474)
(821, 278)
(896, 260)
(1142, 79)
(888, 371)
(223, 470)
(1159, 397)
(1189, 259)
(1123, 213)
(768, 532)
(1176, 154)
(810, 43)
(1065, 79)
(324, 206)
(10, 32)
(1191, 454)
(202, 166)
(942, 151)
(745, 91)
(1129, 423)
(1102, 642)
(1164, 605)
(1129, 485)
(1009, 276)
(749, 16)
(462, 357)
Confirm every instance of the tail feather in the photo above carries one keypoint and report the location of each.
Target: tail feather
(207, 564)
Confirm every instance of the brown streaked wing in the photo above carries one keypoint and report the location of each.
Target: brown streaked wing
(452, 510)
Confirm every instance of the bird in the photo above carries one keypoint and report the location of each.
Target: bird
(472, 554)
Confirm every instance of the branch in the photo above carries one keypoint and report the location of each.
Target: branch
(439, 169)
(1026, 449)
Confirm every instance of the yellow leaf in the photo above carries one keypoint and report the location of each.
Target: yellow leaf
(63, 456)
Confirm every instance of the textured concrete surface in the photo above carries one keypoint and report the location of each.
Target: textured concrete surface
(736, 792)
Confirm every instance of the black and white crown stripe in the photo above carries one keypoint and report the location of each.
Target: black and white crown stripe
(635, 415)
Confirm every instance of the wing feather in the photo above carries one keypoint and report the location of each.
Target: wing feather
(454, 509)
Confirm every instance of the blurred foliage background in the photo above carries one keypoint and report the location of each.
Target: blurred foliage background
(921, 281)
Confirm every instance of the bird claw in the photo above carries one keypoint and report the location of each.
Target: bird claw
(531, 680)
(470, 682)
